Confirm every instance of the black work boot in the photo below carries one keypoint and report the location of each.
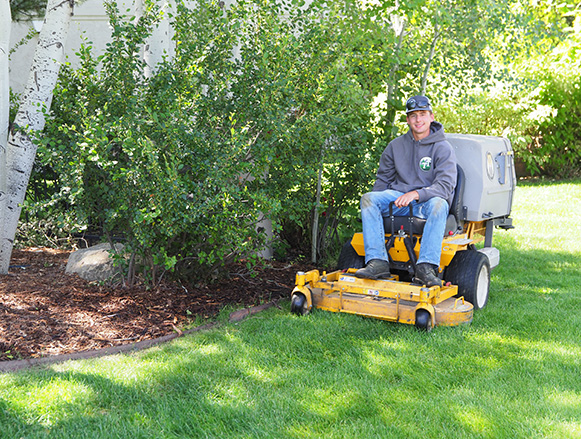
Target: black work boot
(426, 274)
(375, 269)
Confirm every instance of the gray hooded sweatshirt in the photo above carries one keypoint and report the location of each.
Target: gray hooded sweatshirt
(427, 166)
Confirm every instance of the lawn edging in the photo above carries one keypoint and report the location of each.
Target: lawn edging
(235, 316)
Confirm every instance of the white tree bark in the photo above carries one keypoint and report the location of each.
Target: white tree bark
(21, 151)
(5, 26)
(399, 27)
(437, 35)
(159, 43)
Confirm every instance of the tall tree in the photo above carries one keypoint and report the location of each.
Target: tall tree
(5, 26)
(37, 96)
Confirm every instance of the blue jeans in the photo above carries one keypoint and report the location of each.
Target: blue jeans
(375, 204)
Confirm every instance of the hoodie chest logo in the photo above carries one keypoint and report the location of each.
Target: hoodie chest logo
(426, 163)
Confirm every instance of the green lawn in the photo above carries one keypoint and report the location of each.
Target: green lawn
(515, 372)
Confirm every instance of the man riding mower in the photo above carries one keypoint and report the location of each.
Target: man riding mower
(482, 200)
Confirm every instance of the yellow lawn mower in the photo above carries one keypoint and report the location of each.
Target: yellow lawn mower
(482, 201)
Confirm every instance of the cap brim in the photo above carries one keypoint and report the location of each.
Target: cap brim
(428, 108)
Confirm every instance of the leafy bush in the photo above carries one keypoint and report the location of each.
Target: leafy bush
(542, 124)
(534, 101)
(494, 114)
(557, 147)
(183, 165)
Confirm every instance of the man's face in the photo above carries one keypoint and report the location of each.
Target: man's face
(419, 123)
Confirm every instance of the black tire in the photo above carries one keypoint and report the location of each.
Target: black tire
(470, 270)
(423, 320)
(349, 258)
(299, 304)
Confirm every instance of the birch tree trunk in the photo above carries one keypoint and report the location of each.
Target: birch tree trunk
(159, 43)
(5, 26)
(399, 27)
(437, 34)
(21, 151)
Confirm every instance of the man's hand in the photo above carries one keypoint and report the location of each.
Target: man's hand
(407, 198)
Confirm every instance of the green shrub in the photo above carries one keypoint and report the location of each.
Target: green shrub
(535, 103)
(493, 114)
(184, 164)
(556, 150)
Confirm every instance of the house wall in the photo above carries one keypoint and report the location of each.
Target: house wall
(89, 25)
(89, 22)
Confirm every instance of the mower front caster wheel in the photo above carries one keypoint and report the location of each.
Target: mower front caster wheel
(423, 320)
(299, 305)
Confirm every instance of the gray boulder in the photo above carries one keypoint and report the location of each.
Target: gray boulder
(93, 263)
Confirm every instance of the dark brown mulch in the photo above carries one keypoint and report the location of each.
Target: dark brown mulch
(44, 311)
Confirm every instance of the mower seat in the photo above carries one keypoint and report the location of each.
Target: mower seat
(453, 223)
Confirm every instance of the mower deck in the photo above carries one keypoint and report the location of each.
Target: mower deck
(390, 299)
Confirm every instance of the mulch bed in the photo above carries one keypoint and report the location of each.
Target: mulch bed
(45, 312)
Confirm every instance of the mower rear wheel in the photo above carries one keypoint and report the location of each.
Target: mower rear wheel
(470, 270)
(348, 258)
(299, 305)
(423, 320)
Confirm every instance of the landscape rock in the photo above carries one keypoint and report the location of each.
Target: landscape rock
(93, 263)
